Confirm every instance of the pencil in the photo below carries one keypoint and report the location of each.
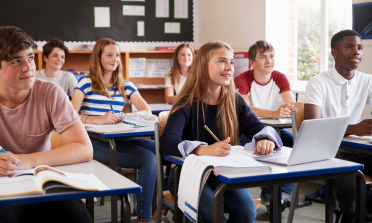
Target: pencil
(210, 132)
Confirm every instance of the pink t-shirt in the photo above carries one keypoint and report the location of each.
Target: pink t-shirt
(262, 96)
(27, 128)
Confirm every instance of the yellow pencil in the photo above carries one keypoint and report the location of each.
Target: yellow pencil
(215, 137)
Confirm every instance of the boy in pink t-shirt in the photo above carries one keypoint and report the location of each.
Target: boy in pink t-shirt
(29, 111)
(260, 88)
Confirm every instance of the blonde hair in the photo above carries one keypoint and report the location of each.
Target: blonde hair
(175, 72)
(196, 90)
(96, 70)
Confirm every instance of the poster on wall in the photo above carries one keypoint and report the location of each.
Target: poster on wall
(241, 62)
(362, 19)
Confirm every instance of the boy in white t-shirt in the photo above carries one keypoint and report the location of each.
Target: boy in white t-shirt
(344, 91)
(260, 88)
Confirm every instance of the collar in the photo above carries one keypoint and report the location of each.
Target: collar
(338, 79)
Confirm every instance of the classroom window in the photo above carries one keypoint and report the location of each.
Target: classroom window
(312, 25)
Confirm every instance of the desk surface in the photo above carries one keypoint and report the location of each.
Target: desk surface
(157, 108)
(138, 131)
(117, 184)
(359, 143)
(281, 123)
(280, 172)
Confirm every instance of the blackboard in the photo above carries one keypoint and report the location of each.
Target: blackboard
(362, 19)
(73, 20)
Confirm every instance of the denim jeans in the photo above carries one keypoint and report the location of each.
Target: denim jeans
(287, 139)
(238, 203)
(133, 153)
(73, 211)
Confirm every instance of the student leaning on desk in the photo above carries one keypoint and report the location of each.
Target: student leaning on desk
(30, 109)
(208, 98)
(344, 91)
(260, 88)
(176, 78)
(93, 95)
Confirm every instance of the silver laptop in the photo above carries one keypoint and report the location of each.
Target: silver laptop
(318, 139)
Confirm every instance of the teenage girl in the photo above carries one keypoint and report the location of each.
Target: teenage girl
(208, 98)
(93, 96)
(175, 80)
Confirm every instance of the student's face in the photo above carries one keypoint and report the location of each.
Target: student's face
(221, 68)
(19, 73)
(185, 57)
(110, 58)
(348, 52)
(56, 59)
(264, 62)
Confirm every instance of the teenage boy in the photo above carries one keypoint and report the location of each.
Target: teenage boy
(30, 109)
(344, 91)
(260, 88)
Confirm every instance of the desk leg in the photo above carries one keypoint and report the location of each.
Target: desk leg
(329, 200)
(294, 202)
(178, 215)
(114, 199)
(218, 203)
(275, 204)
(360, 194)
(90, 206)
(125, 208)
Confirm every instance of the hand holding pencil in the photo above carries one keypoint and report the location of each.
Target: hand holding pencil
(220, 148)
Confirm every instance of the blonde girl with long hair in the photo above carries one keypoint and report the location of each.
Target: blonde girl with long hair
(93, 96)
(174, 81)
(209, 98)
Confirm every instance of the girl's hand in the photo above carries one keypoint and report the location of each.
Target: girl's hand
(108, 118)
(265, 146)
(217, 149)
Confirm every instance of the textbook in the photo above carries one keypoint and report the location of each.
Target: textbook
(109, 128)
(42, 178)
(196, 170)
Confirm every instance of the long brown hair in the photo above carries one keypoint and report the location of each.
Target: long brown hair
(175, 72)
(96, 70)
(196, 90)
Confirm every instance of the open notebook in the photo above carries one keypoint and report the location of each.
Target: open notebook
(110, 128)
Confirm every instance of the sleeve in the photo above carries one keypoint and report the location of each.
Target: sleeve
(72, 81)
(266, 133)
(282, 82)
(168, 82)
(60, 108)
(84, 84)
(314, 92)
(129, 88)
(171, 142)
(242, 83)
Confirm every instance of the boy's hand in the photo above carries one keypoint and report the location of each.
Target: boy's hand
(283, 111)
(8, 163)
(264, 147)
(217, 149)
(363, 128)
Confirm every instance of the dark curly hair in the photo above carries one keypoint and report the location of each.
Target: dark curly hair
(338, 36)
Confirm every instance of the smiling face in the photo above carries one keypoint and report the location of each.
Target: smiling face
(19, 73)
(56, 59)
(221, 68)
(110, 58)
(348, 53)
(184, 57)
(264, 62)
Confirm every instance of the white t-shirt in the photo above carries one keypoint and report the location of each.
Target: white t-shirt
(182, 80)
(338, 96)
(65, 79)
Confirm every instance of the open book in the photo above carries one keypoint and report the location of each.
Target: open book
(42, 178)
(108, 129)
(195, 172)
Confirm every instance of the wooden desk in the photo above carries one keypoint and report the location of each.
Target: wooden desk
(117, 184)
(322, 170)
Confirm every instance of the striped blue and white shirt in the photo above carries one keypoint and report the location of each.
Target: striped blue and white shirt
(95, 104)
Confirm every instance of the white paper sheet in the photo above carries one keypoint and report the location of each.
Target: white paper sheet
(172, 27)
(133, 10)
(137, 67)
(162, 9)
(181, 9)
(101, 17)
(140, 28)
(157, 67)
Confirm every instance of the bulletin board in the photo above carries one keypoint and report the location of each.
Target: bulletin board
(90, 20)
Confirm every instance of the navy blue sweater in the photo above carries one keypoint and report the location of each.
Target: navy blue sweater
(181, 125)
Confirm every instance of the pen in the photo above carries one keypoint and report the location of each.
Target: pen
(3, 151)
(215, 137)
(129, 123)
(112, 110)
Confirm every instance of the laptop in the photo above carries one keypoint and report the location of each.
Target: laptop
(318, 139)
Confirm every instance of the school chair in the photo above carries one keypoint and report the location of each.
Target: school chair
(165, 197)
(56, 140)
